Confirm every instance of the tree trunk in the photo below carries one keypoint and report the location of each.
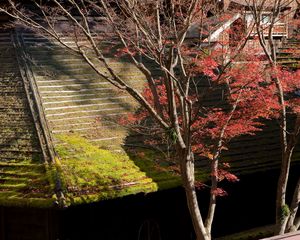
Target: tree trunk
(188, 179)
(292, 226)
(282, 209)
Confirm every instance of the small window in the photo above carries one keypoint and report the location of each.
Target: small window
(249, 18)
(266, 19)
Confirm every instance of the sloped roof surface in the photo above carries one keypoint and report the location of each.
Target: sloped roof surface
(209, 26)
(23, 175)
(82, 111)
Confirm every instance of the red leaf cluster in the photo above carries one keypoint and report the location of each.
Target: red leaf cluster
(219, 192)
(222, 174)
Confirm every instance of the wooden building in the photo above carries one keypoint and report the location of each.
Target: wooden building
(231, 24)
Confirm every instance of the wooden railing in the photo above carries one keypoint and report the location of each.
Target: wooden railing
(280, 29)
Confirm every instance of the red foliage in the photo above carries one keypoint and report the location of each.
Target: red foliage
(199, 185)
(121, 52)
(219, 192)
(249, 95)
(222, 174)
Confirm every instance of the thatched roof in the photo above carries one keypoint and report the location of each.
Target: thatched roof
(80, 112)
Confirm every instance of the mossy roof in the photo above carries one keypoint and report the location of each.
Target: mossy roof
(94, 161)
(81, 111)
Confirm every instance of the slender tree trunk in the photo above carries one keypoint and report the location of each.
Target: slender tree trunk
(188, 178)
(285, 214)
(292, 226)
(282, 209)
(213, 197)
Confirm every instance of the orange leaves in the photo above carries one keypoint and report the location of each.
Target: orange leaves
(210, 156)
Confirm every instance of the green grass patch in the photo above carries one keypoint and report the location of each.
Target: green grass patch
(25, 184)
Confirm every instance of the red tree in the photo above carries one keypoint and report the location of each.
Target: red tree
(286, 88)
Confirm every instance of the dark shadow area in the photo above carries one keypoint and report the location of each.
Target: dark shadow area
(123, 219)
(255, 159)
(250, 204)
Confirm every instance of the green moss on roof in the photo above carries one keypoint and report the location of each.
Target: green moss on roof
(91, 174)
(25, 184)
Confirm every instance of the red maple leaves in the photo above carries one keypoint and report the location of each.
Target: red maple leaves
(232, 104)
